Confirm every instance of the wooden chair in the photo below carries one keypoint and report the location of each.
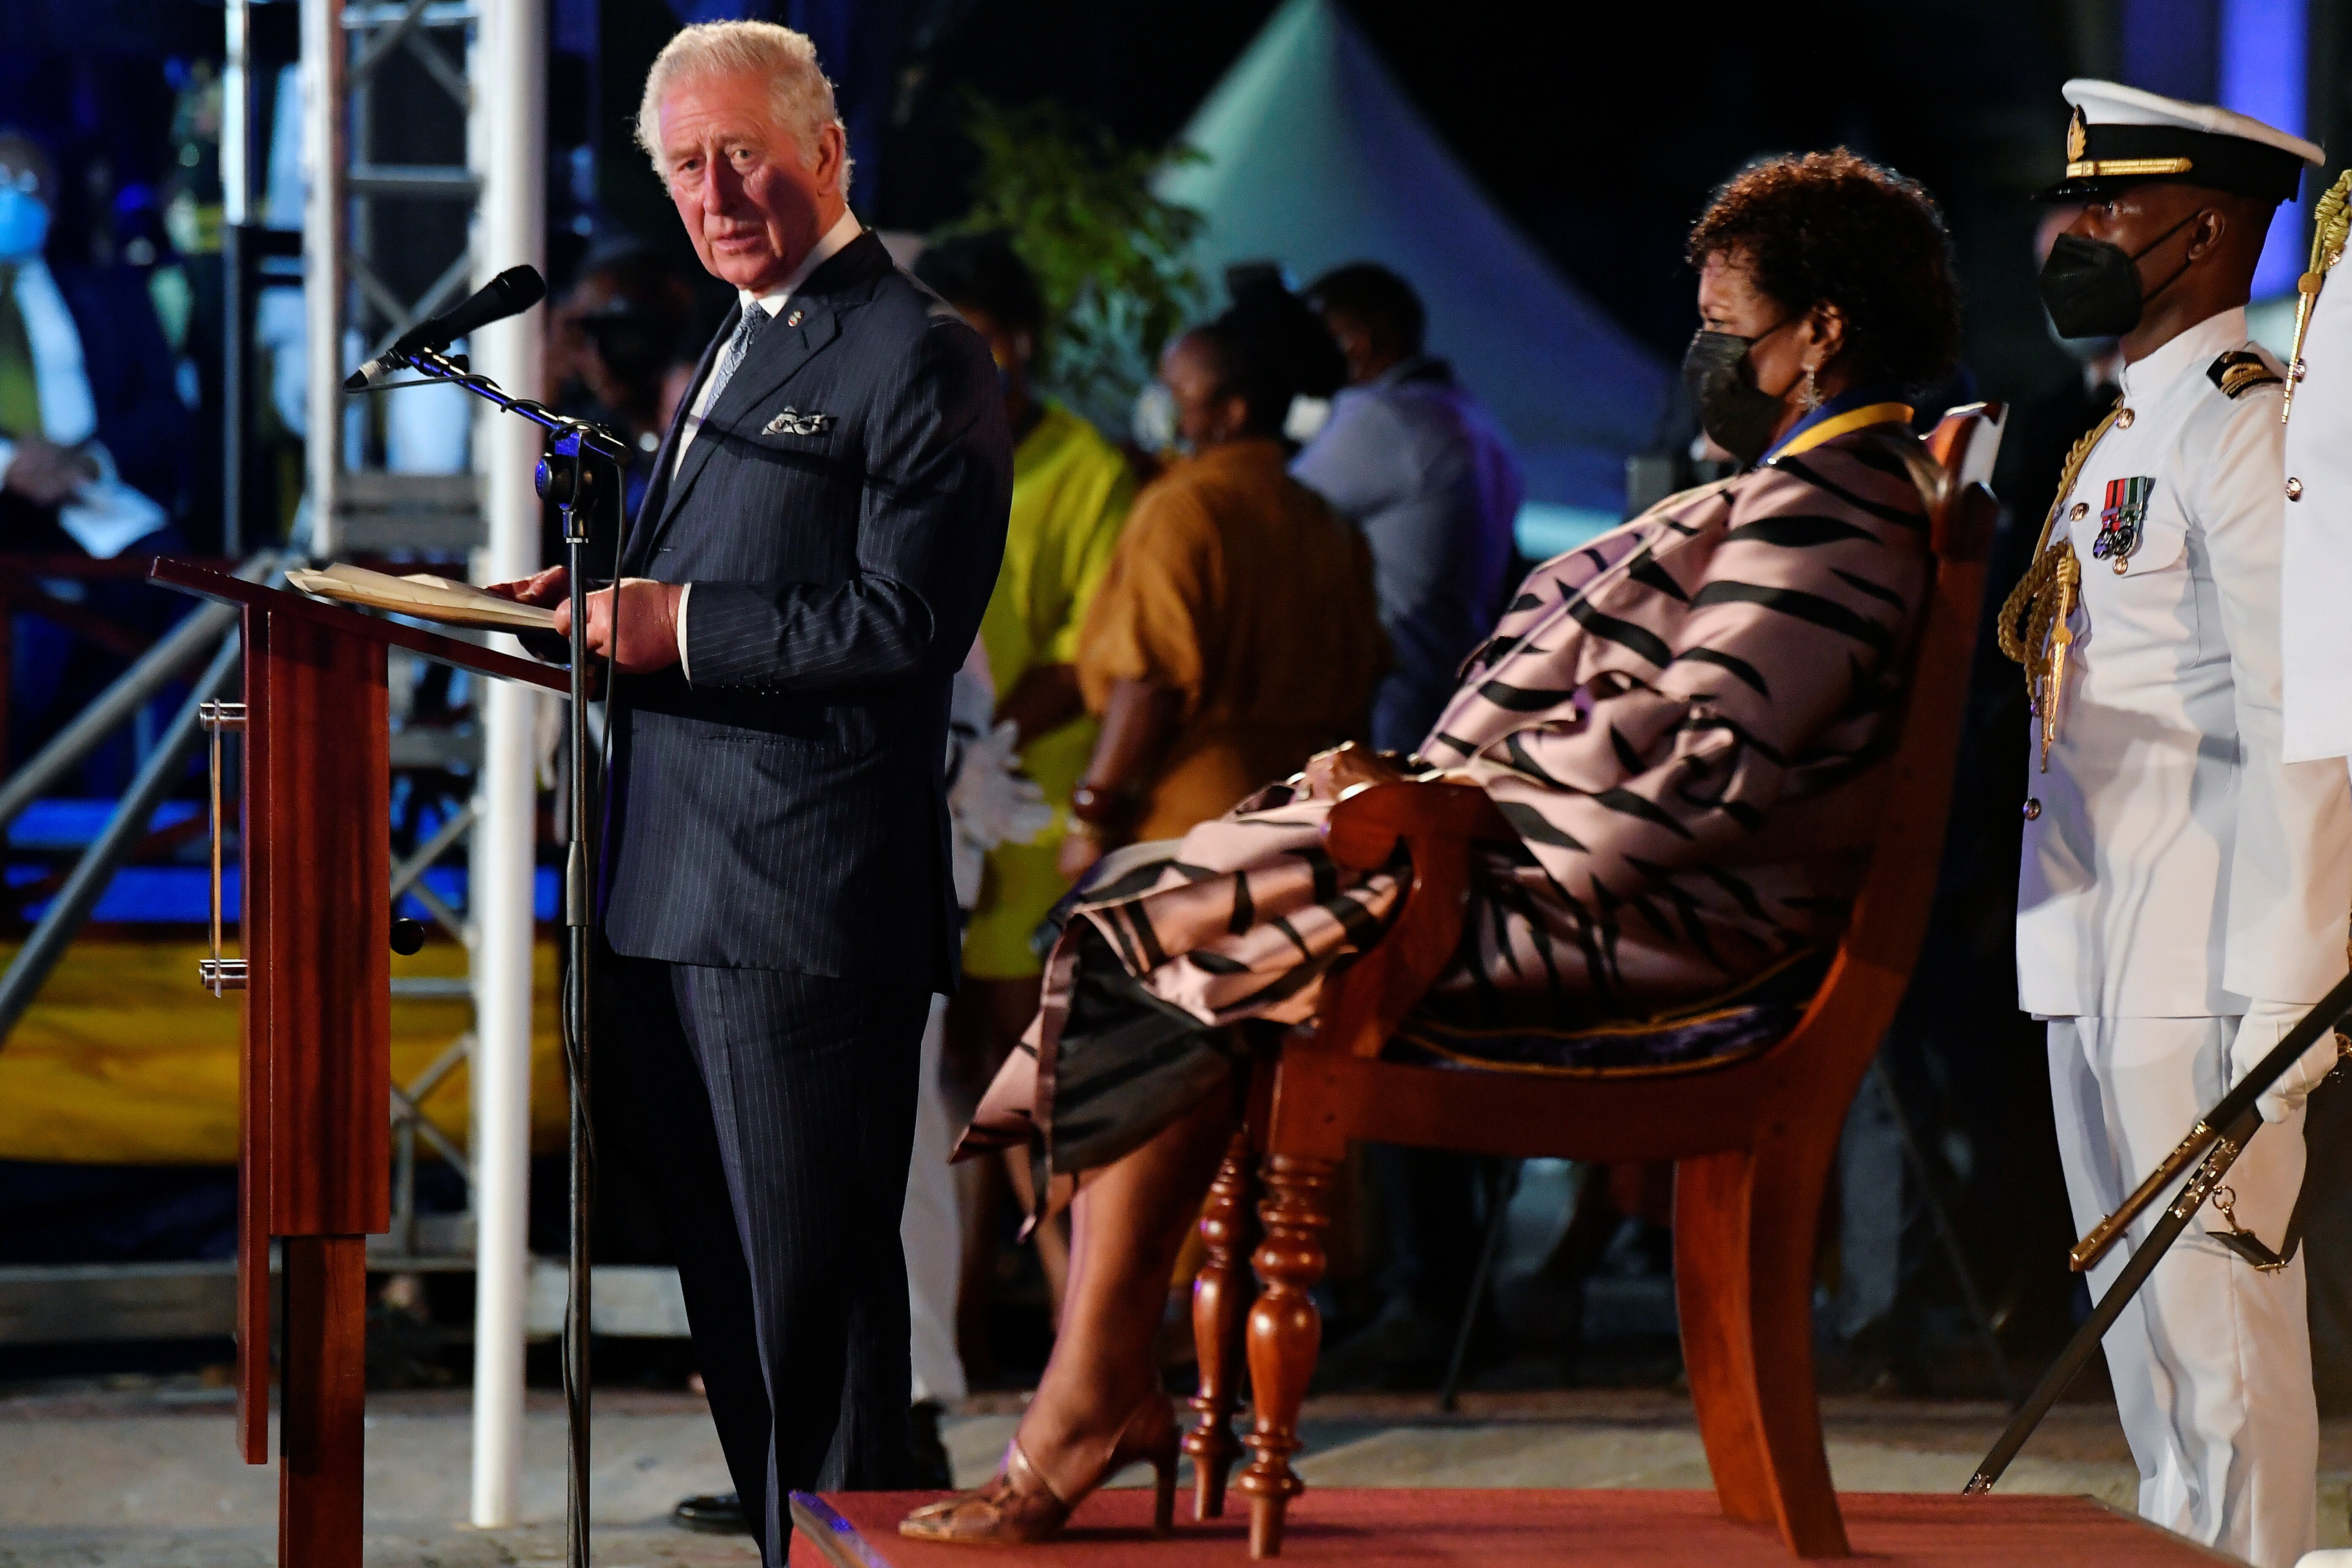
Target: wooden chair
(1752, 1139)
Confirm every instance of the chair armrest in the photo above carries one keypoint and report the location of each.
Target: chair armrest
(1439, 821)
(1363, 829)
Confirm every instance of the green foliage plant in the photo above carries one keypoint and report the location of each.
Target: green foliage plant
(1109, 254)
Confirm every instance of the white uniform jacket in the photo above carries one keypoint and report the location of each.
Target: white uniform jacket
(2177, 867)
(2316, 606)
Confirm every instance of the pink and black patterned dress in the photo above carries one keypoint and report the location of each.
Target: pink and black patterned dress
(1651, 716)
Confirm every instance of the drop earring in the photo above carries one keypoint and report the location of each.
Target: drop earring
(1809, 396)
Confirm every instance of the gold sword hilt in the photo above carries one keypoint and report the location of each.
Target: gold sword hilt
(2306, 296)
(2108, 1231)
(2061, 642)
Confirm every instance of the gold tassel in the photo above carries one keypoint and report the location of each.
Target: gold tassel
(2034, 629)
(2331, 221)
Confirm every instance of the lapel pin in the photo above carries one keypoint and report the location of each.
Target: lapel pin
(794, 319)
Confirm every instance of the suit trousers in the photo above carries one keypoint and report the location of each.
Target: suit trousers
(2212, 1361)
(782, 1109)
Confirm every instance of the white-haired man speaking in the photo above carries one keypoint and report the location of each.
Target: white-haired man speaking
(797, 592)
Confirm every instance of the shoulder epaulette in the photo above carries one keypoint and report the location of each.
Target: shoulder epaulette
(2241, 370)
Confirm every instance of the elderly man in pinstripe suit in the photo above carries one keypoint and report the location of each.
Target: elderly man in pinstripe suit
(804, 577)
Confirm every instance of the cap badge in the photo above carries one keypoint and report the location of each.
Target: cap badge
(2121, 518)
(2078, 140)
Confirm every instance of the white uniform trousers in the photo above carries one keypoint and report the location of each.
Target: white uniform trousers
(2212, 1361)
(930, 1232)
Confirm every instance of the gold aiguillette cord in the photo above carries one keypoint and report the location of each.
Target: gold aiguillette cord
(2330, 223)
(2033, 628)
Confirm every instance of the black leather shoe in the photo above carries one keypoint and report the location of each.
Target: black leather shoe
(719, 1514)
(934, 1471)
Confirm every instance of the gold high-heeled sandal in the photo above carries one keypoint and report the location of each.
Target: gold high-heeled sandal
(1021, 1505)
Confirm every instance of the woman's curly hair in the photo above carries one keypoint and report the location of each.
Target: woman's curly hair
(1838, 229)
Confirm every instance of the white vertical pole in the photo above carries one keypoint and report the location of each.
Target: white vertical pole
(324, 51)
(236, 133)
(508, 151)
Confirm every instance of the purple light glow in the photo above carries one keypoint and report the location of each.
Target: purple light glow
(2262, 74)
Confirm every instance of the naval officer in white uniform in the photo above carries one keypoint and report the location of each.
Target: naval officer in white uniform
(2184, 890)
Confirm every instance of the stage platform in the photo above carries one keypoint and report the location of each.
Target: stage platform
(1433, 1528)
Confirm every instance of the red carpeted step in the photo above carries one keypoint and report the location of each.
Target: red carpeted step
(1391, 1527)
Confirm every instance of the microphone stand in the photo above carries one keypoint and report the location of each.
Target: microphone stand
(567, 479)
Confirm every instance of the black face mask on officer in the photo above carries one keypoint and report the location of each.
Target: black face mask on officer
(1736, 415)
(2091, 287)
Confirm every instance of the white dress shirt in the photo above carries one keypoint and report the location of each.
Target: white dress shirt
(835, 240)
(2177, 865)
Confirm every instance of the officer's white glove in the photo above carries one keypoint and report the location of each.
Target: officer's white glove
(2263, 1027)
(991, 801)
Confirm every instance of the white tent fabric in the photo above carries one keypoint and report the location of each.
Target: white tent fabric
(1316, 158)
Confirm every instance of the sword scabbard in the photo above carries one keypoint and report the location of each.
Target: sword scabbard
(2108, 1231)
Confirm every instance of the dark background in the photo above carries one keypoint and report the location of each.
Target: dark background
(1598, 129)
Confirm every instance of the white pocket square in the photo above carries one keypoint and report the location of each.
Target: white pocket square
(792, 422)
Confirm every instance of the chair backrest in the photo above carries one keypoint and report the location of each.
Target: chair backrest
(1872, 966)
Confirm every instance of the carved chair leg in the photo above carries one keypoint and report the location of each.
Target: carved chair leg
(1221, 1300)
(1285, 1332)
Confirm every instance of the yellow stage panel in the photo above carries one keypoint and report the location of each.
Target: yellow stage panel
(123, 1059)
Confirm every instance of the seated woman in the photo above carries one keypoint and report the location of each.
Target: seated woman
(1661, 718)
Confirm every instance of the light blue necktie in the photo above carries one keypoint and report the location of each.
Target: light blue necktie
(747, 331)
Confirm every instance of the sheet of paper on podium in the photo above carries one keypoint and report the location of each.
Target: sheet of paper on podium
(428, 598)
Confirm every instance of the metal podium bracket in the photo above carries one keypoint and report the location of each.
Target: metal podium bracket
(219, 974)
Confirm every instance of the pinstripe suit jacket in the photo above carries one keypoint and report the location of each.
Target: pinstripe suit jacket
(841, 513)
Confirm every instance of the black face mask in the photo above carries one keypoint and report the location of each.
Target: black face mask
(1736, 415)
(2092, 285)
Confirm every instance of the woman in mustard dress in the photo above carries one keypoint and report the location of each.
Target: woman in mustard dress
(1236, 633)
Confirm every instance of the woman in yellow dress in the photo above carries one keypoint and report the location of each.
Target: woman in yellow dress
(1071, 492)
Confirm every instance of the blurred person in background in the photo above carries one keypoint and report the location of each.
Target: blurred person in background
(1237, 632)
(93, 435)
(1414, 461)
(94, 452)
(611, 344)
(1071, 492)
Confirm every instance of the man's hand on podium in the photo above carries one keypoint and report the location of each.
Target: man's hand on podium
(648, 615)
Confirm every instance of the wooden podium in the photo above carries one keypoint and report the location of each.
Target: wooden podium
(314, 1076)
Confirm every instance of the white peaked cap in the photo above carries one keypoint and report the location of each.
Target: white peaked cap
(2113, 104)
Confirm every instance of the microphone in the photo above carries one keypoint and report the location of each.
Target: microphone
(511, 293)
